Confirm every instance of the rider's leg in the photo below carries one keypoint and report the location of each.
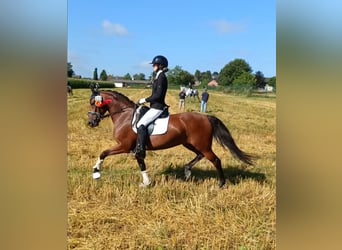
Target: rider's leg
(149, 117)
(141, 142)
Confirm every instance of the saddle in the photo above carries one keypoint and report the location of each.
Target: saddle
(158, 126)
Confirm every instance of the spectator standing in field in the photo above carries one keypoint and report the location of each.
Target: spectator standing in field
(205, 97)
(182, 95)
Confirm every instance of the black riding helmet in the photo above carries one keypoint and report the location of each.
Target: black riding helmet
(161, 60)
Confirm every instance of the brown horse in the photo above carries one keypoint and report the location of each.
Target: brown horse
(192, 130)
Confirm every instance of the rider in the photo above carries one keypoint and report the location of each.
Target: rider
(94, 88)
(157, 103)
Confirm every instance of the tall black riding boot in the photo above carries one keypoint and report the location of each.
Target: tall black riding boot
(141, 142)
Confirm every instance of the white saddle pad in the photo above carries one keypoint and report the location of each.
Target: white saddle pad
(159, 126)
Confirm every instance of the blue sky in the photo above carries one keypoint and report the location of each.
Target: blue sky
(123, 36)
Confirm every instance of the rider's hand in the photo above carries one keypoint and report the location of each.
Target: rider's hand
(142, 101)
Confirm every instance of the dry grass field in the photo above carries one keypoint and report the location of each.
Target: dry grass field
(114, 213)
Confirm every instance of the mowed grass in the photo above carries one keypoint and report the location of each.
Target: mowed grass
(114, 213)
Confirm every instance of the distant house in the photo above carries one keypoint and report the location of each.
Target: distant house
(213, 83)
(122, 83)
(268, 88)
(265, 89)
(119, 84)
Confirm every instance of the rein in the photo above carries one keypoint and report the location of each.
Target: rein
(114, 113)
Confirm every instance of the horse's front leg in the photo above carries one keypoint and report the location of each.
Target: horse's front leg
(96, 169)
(146, 180)
(118, 149)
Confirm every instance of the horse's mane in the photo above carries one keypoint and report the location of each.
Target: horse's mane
(119, 95)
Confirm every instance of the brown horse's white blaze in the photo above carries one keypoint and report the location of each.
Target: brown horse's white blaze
(192, 130)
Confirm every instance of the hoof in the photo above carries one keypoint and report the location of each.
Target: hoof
(187, 173)
(144, 185)
(96, 175)
(221, 183)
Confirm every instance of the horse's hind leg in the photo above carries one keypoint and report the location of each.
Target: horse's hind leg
(188, 166)
(217, 163)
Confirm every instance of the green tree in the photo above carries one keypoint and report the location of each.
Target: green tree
(206, 77)
(140, 76)
(178, 76)
(245, 79)
(103, 75)
(203, 77)
(214, 75)
(260, 79)
(244, 83)
(95, 76)
(198, 75)
(70, 71)
(273, 82)
(127, 77)
(232, 71)
(172, 75)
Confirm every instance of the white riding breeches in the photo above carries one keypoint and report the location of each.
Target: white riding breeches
(149, 117)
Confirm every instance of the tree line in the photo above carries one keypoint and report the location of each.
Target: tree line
(235, 74)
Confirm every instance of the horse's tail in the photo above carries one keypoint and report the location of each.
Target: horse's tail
(225, 139)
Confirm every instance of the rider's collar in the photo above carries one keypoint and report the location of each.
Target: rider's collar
(158, 73)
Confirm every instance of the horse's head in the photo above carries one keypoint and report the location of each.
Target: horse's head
(109, 101)
(98, 107)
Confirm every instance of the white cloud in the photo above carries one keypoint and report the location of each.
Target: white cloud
(114, 29)
(225, 27)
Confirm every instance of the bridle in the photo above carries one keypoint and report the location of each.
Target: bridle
(100, 116)
(114, 113)
(95, 117)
